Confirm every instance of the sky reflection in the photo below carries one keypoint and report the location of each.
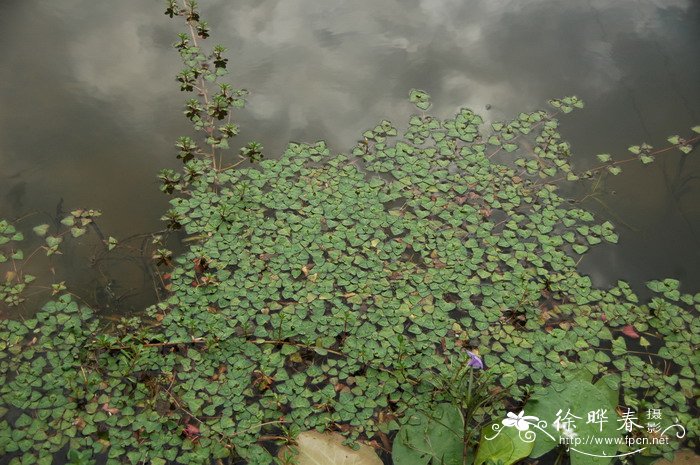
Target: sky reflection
(89, 107)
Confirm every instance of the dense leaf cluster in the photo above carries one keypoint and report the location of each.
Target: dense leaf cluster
(326, 295)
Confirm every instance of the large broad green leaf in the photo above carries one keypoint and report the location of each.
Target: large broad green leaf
(314, 448)
(610, 386)
(579, 397)
(436, 439)
(507, 446)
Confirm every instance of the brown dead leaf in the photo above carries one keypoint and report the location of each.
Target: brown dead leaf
(314, 448)
(110, 410)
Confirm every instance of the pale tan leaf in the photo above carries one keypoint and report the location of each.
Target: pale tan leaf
(315, 448)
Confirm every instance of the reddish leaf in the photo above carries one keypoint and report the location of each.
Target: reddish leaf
(629, 331)
(603, 317)
(109, 410)
(191, 431)
(200, 265)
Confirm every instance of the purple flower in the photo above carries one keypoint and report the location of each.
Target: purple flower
(475, 361)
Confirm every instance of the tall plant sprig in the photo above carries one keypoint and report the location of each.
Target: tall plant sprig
(211, 109)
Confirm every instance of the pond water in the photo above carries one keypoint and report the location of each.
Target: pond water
(89, 109)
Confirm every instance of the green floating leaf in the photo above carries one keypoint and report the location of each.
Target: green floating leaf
(111, 243)
(604, 157)
(506, 448)
(41, 230)
(419, 98)
(58, 288)
(612, 238)
(54, 241)
(619, 346)
(579, 248)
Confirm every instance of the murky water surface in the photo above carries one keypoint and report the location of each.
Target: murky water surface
(89, 108)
